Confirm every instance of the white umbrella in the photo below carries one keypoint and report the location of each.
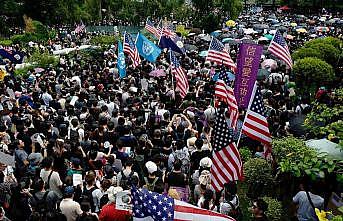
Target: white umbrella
(263, 39)
(272, 32)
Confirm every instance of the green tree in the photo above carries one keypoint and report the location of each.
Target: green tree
(310, 73)
(306, 52)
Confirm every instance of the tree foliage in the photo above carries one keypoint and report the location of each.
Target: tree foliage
(310, 73)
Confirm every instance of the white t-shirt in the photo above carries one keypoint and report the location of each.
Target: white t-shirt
(55, 181)
(70, 209)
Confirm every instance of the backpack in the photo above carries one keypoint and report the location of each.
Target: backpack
(150, 186)
(186, 165)
(125, 181)
(40, 210)
(74, 135)
(104, 200)
(86, 197)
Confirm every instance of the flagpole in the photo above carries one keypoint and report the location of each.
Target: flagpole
(209, 47)
(272, 39)
(172, 77)
(245, 118)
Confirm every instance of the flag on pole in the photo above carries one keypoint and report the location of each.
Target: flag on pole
(147, 49)
(173, 43)
(225, 93)
(279, 48)
(80, 28)
(150, 27)
(131, 49)
(255, 124)
(121, 61)
(149, 206)
(218, 54)
(180, 75)
(227, 163)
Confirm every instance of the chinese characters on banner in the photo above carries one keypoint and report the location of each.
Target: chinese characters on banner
(248, 62)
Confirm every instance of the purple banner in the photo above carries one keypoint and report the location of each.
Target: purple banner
(248, 62)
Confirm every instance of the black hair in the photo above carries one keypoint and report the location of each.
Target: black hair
(177, 165)
(261, 205)
(47, 162)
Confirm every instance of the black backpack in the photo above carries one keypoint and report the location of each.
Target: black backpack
(41, 209)
(74, 135)
(125, 181)
(104, 200)
(87, 197)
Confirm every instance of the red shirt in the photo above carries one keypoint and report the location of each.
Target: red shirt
(110, 213)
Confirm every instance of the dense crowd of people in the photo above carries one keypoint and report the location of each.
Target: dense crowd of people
(80, 134)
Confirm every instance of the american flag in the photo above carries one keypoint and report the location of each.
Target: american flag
(131, 50)
(150, 206)
(218, 54)
(225, 93)
(279, 48)
(80, 28)
(150, 27)
(255, 124)
(180, 75)
(227, 163)
(168, 31)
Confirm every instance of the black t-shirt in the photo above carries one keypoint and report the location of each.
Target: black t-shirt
(176, 179)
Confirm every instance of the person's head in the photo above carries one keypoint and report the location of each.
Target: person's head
(47, 162)
(90, 179)
(151, 167)
(112, 193)
(230, 188)
(74, 122)
(129, 162)
(259, 207)
(19, 143)
(105, 184)
(177, 165)
(208, 195)
(39, 185)
(69, 192)
(199, 143)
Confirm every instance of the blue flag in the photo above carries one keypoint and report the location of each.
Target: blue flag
(174, 43)
(14, 56)
(121, 61)
(147, 49)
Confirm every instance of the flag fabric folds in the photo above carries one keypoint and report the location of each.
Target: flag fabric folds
(150, 27)
(151, 206)
(218, 54)
(14, 56)
(226, 160)
(225, 93)
(131, 49)
(255, 124)
(172, 42)
(80, 28)
(180, 75)
(147, 49)
(121, 61)
(279, 48)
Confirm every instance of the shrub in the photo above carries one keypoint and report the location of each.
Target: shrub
(6, 42)
(258, 175)
(306, 52)
(310, 73)
(337, 43)
(104, 40)
(274, 212)
(23, 39)
(330, 54)
(43, 60)
(245, 154)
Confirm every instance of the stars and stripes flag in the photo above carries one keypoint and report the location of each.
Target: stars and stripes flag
(80, 28)
(255, 124)
(218, 54)
(150, 27)
(278, 47)
(225, 93)
(168, 31)
(131, 49)
(180, 75)
(227, 163)
(150, 206)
